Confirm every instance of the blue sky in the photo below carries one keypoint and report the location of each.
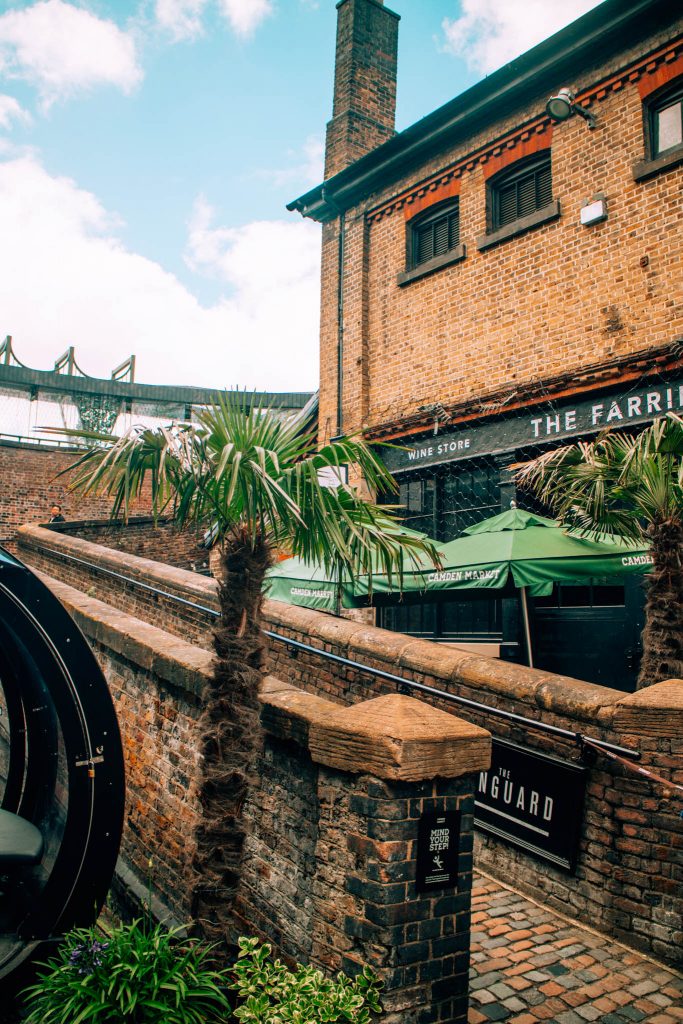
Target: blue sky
(148, 149)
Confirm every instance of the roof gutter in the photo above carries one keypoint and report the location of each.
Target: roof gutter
(504, 90)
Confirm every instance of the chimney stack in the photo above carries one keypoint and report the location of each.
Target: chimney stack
(364, 110)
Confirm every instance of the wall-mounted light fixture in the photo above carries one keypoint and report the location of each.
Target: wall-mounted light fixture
(562, 105)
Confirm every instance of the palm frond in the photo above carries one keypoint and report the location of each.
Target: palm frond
(248, 469)
(617, 484)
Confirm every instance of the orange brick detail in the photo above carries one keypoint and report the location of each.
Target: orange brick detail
(661, 75)
(525, 147)
(437, 194)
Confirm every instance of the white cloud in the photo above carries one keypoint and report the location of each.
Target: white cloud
(182, 18)
(66, 279)
(307, 169)
(264, 261)
(61, 49)
(245, 15)
(489, 33)
(11, 110)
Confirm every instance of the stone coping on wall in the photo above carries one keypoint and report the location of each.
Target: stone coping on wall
(390, 737)
(654, 711)
(166, 657)
(410, 656)
(532, 690)
(34, 536)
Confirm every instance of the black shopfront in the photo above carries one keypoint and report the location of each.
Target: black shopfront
(452, 479)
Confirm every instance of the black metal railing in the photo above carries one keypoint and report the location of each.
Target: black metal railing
(400, 682)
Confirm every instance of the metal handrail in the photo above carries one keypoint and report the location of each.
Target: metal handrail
(400, 681)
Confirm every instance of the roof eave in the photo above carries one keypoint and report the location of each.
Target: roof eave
(503, 90)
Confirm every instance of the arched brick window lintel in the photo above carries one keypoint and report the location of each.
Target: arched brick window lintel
(536, 144)
(432, 199)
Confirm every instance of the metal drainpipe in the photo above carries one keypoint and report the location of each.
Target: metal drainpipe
(340, 308)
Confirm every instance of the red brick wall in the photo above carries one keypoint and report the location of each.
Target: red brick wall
(31, 484)
(555, 299)
(161, 541)
(628, 880)
(156, 682)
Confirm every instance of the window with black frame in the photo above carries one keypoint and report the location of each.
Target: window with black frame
(666, 122)
(432, 241)
(520, 192)
(435, 234)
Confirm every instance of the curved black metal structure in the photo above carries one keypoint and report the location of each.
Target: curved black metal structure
(61, 770)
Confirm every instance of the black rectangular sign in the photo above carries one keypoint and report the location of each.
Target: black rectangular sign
(558, 421)
(533, 801)
(438, 844)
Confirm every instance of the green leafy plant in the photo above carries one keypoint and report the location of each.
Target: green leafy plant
(139, 974)
(272, 994)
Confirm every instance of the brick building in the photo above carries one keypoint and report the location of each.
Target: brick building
(508, 280)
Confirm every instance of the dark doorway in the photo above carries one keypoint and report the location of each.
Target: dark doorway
(591, 632)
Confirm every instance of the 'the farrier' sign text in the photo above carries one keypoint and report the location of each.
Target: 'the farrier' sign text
(544, 423)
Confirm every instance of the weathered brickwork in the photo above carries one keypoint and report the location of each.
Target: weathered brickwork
(114, 576)
(330, 865)
(553, 300)
(161, 541)
(628, 878)
(31, 484)
(364, 82)
(332, 853)
(156, 682)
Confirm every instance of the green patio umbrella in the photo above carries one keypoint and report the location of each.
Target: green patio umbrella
(296, 581)
(519, 548)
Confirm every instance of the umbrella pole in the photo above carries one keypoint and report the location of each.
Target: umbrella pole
(527, 631)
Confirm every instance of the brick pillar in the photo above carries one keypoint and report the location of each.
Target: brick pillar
(364, 82)
(646, 890)
(366, 779)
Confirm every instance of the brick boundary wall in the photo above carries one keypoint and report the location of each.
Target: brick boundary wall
(159, 540)
(32, 483)
(156, 681)
(330, 864)
(628, 877)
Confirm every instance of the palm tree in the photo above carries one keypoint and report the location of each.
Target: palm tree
(252, 478)
(630, 486)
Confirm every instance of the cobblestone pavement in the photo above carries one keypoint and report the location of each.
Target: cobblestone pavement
(530, 965)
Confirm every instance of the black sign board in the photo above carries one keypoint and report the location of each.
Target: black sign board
(438, 843)
(542, 423)
(533, 801)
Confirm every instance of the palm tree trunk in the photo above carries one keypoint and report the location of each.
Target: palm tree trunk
(230, 733)
(663, 632)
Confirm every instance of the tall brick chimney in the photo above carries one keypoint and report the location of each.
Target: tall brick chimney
(364, 82)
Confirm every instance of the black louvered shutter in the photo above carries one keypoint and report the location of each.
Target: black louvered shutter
(423, 248)
(441, 236)
(454, 230)
(526, 195)
(544, 187)
(436, 236)
(522, 194)
(507, 205)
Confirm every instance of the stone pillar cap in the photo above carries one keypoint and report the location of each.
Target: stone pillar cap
(655, 710)
(391, 737)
